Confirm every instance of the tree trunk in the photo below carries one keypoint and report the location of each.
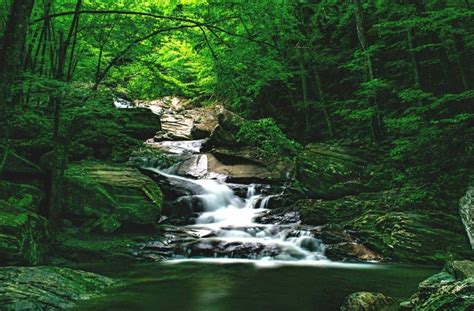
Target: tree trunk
(376, 119)
(13, 44)
(11, 62)
(60, 140)
(304, 89)
(322, 101)
(414, 63)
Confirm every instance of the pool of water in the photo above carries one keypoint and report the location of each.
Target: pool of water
(222, 285)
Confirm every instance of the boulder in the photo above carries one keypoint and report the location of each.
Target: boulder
(239, 169)
(375, 220)
(368, 301)
(79, 247)
(329, 172)
(23, 233)
(48, 288)
(466, 210)
(106, 197)
(451, 289)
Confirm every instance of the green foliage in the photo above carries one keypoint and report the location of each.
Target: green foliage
(265, 134)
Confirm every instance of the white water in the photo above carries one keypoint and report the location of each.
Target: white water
(229, 222)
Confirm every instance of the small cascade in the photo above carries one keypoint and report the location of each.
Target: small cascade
(227, 226)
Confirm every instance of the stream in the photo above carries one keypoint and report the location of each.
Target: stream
(229, 256)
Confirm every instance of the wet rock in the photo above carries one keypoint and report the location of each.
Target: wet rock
(376, 222)
(368, 301)
(48, 288)
(451, 289)
(173, 187)
(244, 171)
(466, 210)
(104, 197)
(279, 218)
(79, 247)
(329, 172)
(224, 133)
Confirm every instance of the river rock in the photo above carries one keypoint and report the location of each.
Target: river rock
(48, 288)
(375, 220)
(106, 197)
(368, 301)
(183, 120)
(329, 172)
(451, 289)
(466, 210)
(23, 233)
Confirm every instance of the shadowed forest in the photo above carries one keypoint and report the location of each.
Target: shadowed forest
(319, 132)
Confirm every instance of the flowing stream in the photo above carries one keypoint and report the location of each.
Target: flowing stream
(230, 257)
(227, 223)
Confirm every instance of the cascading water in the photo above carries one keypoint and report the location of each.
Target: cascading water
(227, 226)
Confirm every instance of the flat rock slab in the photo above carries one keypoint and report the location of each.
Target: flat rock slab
(48, 288)
(110, 196)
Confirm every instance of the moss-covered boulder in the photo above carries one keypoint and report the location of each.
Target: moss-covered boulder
(377, 221)
(48, 288)
(451, 289)
(106, 197)
(329, 172)
(82, 247)
(368, 301)
(23, 233)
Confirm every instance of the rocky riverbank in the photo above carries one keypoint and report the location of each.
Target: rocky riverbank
(123, 209)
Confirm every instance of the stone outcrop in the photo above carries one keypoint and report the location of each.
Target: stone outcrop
(404, 236)
(104, 197)
(23, 233)
(329, 172)
(451, 289)
(48, 288)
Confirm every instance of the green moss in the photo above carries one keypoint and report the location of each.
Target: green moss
(23, 236)
(45, 288)
(86, 248)
(403, 236)
(106, 198)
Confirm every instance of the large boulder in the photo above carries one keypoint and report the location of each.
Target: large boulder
(182, 119)
(48, 288)
(451, 289)
(377, 222)
(368, 301)
(466, 210)
(106, 197)
(329, 172)
(23, 233)
(73, 246)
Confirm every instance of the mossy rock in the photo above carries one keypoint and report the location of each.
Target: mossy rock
(93, 248)
(451, 289)
(368, 301)
(106, 197)
(21, 195)
(23, 236)
(329, 172)
(420, 236)
(414, 236)
(23, 233)
(48, 288)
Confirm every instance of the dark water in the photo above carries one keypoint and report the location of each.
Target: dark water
(243, 286)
